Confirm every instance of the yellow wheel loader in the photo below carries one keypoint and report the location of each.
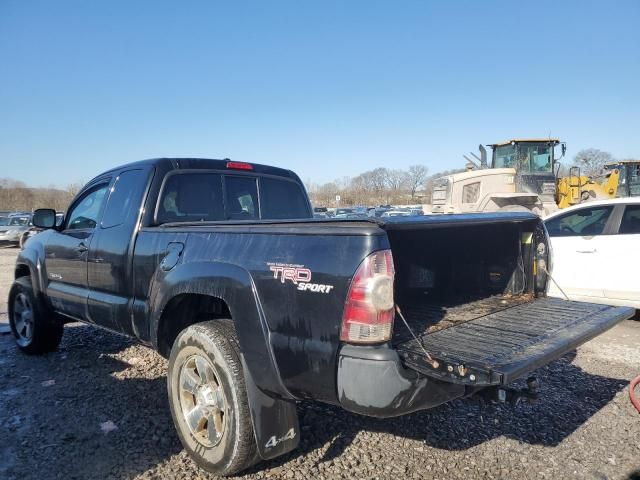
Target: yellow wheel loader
(619, 179)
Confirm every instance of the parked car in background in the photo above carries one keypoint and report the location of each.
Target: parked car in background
(16, 229)
(416, 211)
(344, 212)
(596, 252)
(377, 211)
(360, 210)
(396, 213)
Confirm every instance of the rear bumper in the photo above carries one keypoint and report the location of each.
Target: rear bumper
(372, 381)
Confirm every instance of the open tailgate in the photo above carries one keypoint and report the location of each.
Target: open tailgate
(498, 348)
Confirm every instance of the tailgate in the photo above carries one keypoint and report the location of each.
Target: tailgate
(498, 348)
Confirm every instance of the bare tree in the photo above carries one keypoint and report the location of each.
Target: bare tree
(73, 189)
(373, 187)
(591, 161)
(428, 184)
(416, 177)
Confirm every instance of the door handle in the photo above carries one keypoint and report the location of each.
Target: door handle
(593, 250)
(81, 248)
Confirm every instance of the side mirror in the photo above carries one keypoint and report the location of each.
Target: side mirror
(564, 149)
(44, 218)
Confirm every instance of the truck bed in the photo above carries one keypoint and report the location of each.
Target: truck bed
(505, 344)
(426, 318)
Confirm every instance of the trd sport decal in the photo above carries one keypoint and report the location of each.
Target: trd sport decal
(299, 276)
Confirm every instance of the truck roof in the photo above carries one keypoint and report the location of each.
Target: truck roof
(208, 164)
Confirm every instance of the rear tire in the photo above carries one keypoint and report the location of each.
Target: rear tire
(35, 330)
(208, 398)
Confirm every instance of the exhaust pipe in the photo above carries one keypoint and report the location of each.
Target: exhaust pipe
(483, 157)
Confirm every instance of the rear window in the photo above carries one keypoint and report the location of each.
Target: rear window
(193, 197)
(282, 199)
(242, 198)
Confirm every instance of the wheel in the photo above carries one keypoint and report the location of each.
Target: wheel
(35, 330)
(208, 398)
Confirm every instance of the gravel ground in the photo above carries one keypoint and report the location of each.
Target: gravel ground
(97, 408)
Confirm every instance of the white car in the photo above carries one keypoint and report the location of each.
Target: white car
(596, 252)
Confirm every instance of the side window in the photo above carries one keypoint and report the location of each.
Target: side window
(580, 223)
(191, 197)
(630, 220)
(241, 195)
(84, 214)
(471, 193)
(124, 198)
(281, 199)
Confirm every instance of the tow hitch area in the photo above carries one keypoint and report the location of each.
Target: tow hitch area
(512, 396)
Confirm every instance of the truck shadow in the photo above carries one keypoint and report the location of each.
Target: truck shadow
(569, 396)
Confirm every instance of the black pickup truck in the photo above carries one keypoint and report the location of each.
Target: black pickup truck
(221, 267)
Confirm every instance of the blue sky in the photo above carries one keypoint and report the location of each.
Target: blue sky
(328, 89)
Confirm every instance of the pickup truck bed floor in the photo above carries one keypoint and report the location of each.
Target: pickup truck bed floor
(427, 318)
(500, 347)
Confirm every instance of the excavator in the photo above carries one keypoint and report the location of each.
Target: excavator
(619, 179)
(522, 176)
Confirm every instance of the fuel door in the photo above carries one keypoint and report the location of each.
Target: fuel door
(170, 260)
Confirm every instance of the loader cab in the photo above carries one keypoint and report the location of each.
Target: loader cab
(628, 172)
(534, 161)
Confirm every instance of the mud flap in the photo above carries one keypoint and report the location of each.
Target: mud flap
(275, 421)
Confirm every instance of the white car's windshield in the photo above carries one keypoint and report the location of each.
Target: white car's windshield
(19, 221)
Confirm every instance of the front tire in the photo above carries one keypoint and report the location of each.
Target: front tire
(208, 398)
(34, 329)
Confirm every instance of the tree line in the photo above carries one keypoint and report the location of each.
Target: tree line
(17, 196)
(380, 186)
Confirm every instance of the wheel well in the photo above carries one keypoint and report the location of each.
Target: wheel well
(22, 271)
(185, 310)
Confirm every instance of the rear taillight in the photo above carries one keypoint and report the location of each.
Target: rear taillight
(369, 308)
